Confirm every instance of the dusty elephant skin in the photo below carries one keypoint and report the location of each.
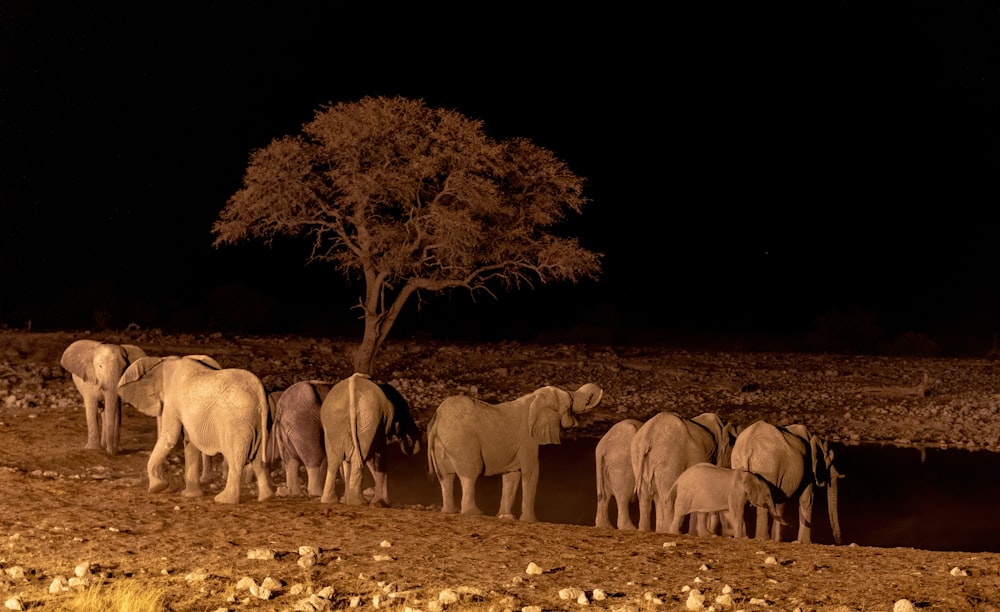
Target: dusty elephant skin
(65, 506)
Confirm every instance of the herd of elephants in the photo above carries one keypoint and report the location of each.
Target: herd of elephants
(701, 469)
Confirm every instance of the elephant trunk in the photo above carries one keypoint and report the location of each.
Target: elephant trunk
(111, 433)
(831, 502)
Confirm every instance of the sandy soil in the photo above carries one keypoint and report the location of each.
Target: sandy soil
(66, 508)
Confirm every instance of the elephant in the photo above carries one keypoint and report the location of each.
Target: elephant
(96, 368)
(792, 460)
(468, 437)
(665, 446)
(709, 488)
(297, 435)
(216, 410)
(360, 418)
(615, 477)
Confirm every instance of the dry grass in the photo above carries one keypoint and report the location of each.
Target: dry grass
(122, 596)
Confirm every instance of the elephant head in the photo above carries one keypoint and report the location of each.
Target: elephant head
(825, 473)
(758, 493)
(142, 384)
(96, 368)
(550, 409)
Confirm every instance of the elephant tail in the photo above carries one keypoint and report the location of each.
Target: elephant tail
(431, 447)
(265, 416)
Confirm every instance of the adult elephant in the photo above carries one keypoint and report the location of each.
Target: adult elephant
(468, 438)
(615, 477)
(214, 410)
(665, 446)
(96, 368)
(360, 419)
(792, 460)
(297, 435)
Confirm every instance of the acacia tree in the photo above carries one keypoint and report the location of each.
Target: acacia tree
(411, 198)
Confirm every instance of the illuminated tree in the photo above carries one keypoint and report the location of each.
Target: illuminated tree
(410, 199)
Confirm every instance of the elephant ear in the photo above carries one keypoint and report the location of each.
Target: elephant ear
(586, 397)
(78, 358)
(141, 384)
(205, 360)
(133, 353)
(543, 415)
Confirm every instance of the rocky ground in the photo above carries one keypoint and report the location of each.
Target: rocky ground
(67, 511)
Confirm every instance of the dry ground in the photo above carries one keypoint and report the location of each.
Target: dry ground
(64, 507)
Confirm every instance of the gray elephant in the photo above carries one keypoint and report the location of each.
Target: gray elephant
(707, 488)
(615, 477)
(96, 368)
(468, 438)
(792, 460)
(215, 410)
(297, 435)
(360, 419)
(665, 446)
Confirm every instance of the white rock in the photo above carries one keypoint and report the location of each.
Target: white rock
(531, 609)
(447, 596)
(534, 569)
(312, 604)
(726, 590)
(77, 582)
(569, 593)
(355, 601)
(382, 557)
(260, 553)
(82, 570)
(955, 571)
(757, 601)
(582, 600)
(695, 600)
(59, 585)
(903, 605)
(669, 544)
(16, 572)
(599, 595)
(245, 583)
(385, 544)
(14, 603)
(725, 600)
(326, 592)
(308, 550)
(271, 583)
(260, 592)
(196, 576)
(770, 561)
(297, 589)
(307, 561)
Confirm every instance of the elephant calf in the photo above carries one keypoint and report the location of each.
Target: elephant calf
(707, 488)
(615, 477)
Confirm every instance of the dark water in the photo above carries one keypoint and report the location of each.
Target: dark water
(933, 499)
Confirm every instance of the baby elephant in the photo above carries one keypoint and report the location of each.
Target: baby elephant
(708, 488)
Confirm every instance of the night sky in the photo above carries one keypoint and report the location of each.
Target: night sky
(749, 168)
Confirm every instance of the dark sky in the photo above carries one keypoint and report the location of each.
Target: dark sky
(749, 167)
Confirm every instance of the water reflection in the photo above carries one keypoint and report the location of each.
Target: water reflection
(933, 499)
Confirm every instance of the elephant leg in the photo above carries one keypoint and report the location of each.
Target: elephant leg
(329, 485)
(469, 494)
(206, 469)
(601, 520)
(292, 477)
(761, 530)
(314, 477)
(645, 509)
(529, 488)
(234, 476)
(355, 473)
(510, 481)
(94, 429)
(170, 433)
(380, 490)
(265, 488)
(447, 482)
(624, 513)
(805, 515)
(193, 461)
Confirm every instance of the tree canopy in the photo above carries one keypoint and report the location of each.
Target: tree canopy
(411, 198)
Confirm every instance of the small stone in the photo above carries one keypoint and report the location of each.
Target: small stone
(955, 571)
(534, 569)
(260, 553)
(59, 585)
(570, 593)
(14, 603)
(385, 544)
(599, 595)
(305, 551)
(695, 600)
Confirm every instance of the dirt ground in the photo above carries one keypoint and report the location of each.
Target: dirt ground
(82, 515)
